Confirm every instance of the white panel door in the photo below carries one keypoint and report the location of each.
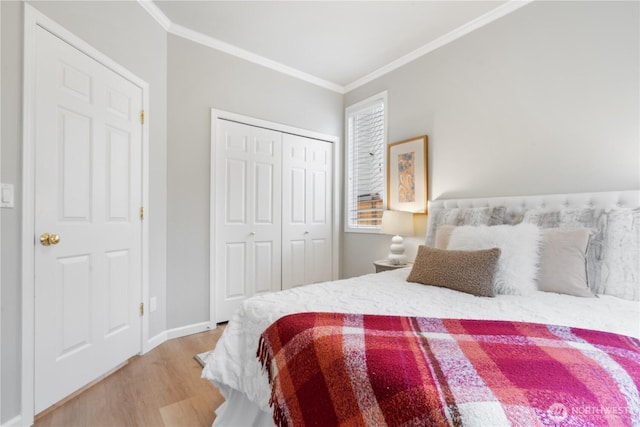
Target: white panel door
(248, 213)
(88, 146)
(306, 213)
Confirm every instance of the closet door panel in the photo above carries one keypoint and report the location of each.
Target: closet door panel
(264, 194)
(266, 224)
(297, 178)
(248, 209)
(235, 260)
(235, 195)
(294, 267)
(306, 221)
(264, 261)
(320, 196)
(319, 210)
(298, 153)
(234, 143)
(265, 144)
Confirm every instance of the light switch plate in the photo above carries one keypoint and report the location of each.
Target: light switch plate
(6, 196)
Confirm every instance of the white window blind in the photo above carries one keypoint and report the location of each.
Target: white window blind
(366, 147)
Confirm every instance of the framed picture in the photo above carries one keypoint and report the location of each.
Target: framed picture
(407, 175)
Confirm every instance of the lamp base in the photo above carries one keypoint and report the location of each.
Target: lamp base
(396, 251)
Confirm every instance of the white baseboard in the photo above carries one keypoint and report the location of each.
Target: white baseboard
(170, 334)
(13, 422)
(155, 341)
(183, 331)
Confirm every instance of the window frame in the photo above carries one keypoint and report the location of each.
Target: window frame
(348, 166)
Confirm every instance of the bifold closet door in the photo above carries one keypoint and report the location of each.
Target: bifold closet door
(248, 214)
(307, 210)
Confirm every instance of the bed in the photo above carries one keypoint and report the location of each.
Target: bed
(611, 274)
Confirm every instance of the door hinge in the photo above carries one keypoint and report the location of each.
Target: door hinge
(141, 309)
(141, 117)
(141, 213)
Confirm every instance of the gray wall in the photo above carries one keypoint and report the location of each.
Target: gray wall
(191, 79)
(127, 34)
(11, 51)
(200, 79)
(544, 100)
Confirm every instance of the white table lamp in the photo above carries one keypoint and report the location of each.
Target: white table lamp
(397, 223)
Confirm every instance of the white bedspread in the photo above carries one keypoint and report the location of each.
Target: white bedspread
(233, 364)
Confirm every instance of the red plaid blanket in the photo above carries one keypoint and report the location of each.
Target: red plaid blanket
(330, 369)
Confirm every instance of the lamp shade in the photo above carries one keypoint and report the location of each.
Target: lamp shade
(397, 223)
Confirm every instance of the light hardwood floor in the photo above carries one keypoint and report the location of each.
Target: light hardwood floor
(161, 388)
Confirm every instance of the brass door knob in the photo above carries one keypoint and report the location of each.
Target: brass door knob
(47, 239)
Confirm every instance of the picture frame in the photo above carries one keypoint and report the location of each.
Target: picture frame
(407, 168)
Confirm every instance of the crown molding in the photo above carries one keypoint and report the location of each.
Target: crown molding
(150, 7)
(197, 37)
(230, 49)
(451, 36)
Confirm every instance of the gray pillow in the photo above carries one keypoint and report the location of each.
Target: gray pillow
(465, 271)
(462, 216)
(443, 234)
(563, 262)
(613, 265)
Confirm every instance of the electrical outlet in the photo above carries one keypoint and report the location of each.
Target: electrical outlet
(153, 304)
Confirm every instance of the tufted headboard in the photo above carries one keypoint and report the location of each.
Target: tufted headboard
(516, 205)
(613, 250)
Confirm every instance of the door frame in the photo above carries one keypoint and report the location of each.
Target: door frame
(33, 19)
(337, 191)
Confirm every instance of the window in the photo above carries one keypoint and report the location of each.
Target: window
(366, 136)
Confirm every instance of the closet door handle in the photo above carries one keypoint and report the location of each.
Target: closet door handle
(253, 233)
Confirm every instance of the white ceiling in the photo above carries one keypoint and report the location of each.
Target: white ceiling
(337, 44)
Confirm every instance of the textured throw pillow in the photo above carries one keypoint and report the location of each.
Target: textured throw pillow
(465, 271)
(443, 234)
(618, 269)
(563, 262)
(462, 216)
(518, 265)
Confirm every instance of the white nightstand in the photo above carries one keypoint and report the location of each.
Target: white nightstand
(383, 265)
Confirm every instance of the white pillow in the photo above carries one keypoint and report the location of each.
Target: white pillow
(519, 244)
